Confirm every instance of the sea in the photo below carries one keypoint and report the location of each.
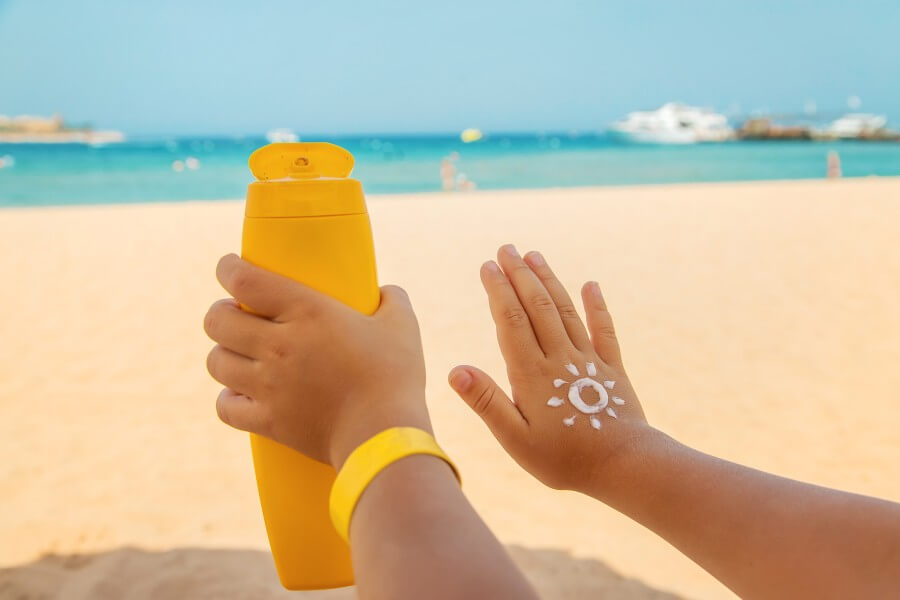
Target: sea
(209, 168)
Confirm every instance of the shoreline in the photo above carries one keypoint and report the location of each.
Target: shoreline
(851, 180)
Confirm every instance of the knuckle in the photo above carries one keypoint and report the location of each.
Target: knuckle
(542, 302)
(279, 349)
(223, 412)
(515, 316)
(607, 331)
(484, 400)
(567, 311)
(210, 321)
(214, 316)
(544, 274)
(501, 280)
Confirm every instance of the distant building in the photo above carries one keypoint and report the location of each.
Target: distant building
(763, 128)
(854, 126)
(24, 129)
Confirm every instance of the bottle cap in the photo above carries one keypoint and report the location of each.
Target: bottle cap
(301, 160)
(304, 179)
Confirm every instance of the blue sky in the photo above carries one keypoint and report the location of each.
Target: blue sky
(374, 67)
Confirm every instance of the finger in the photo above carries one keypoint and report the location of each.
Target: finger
(545, 320)
(600, 324)
(514, 333)
(237, 329)
(490, 403)
(240, 411)
(264, 292)
(232, 370)
(570, 319)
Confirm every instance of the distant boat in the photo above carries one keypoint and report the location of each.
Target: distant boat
(470, 135)
(673, 123)
(281, 135)
(855, 125)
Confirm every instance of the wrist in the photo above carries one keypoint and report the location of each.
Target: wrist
(365, 463)
(399, 410)
(639, 448)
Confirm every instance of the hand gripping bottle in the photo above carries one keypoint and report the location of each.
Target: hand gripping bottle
(307, 220)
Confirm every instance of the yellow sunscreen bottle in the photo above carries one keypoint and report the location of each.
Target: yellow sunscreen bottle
(307, 220)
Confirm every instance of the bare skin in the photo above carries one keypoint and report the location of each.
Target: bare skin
(761, 535)
(315, 375)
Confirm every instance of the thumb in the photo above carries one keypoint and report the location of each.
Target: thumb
(490, 403)
(396, 308)
(394, 298)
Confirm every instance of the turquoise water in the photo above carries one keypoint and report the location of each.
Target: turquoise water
(141, 170)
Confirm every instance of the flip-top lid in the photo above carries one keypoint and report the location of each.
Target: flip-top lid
(304, 179)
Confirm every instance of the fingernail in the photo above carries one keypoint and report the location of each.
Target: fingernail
(460, 380)
(511, 250)
(595, 291)
(491, 266)
(535, 259)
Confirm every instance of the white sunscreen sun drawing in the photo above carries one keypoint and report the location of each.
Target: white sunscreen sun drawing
(576, 400)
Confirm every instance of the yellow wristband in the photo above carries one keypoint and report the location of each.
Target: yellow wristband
(368, 460)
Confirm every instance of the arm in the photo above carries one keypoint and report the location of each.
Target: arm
(763, 536)
(413, 534)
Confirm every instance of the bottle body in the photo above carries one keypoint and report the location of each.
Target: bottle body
(333, 254)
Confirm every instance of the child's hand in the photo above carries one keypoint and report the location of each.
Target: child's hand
(308, 371)
(573, 407)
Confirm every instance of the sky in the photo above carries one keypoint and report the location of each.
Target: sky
(238, 67)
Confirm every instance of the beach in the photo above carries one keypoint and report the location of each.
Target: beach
(758, 322)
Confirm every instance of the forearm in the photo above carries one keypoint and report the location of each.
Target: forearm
(414, 535)
(761, 535)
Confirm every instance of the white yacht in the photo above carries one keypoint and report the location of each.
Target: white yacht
(281, 135)
(855, 124)
(673, 123)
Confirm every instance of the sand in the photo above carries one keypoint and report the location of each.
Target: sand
(758, 322)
